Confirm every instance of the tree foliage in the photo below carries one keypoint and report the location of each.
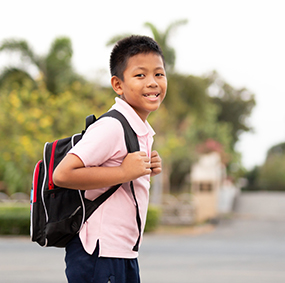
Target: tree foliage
(235, 105)
(271, 174)
(31, 113)
(55, 67)
(186, 119)
(276, 150)
(30, 117)
(162, 38)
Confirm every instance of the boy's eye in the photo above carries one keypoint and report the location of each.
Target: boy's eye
(159, 74)
(139, 75)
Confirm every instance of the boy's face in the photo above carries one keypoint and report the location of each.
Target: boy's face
(145, 84)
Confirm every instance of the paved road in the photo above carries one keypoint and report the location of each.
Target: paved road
(237, 251)
(244, 249)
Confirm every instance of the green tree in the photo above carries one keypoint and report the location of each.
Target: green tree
(30, 117)
(271, 174)
(55, 68)
(186, 119)
(276, 150)
(162, 38)
(252, 177)
(30, 113)
(235, 105)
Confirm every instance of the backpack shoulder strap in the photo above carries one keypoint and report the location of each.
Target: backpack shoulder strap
(131, 139)
(89, 120)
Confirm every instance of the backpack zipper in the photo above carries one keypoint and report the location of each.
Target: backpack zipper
(51, 166)
(44, 180)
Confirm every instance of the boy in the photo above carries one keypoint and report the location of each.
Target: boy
(104, 252)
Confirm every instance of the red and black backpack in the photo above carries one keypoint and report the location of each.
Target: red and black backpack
(57, 214)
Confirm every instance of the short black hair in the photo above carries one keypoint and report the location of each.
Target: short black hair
(128, 47)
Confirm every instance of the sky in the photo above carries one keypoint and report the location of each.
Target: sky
(242, 40)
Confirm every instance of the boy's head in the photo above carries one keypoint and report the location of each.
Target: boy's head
(128, 47)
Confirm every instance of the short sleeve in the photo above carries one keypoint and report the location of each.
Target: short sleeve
(102, 143)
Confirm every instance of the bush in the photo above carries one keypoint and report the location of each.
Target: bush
(153, 217)
(14, 219)
(252, 178)
(30, 118)
(272, 177)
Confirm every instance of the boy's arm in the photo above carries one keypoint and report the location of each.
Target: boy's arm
(71, 172)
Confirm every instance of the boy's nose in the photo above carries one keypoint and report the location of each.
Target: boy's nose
(152, 82)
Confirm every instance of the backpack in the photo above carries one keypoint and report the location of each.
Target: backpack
(58, 214)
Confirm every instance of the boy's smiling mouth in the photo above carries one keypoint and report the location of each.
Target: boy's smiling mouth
(151, 95)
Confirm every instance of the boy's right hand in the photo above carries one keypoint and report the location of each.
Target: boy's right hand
(135, 165)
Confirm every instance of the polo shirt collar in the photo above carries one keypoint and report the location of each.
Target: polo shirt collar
(139, 126)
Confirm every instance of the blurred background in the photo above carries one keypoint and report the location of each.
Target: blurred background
(224, 65)
(220, 130)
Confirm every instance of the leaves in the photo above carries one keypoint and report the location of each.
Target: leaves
(55, 68)
(271, 174)
(30, 117)
(162, 38)
(34, 111)
(19, 45)
(235, 105)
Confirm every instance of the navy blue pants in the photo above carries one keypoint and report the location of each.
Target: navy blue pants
(84, 268)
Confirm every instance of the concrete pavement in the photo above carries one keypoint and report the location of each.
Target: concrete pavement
(247, 248)
(237, 251)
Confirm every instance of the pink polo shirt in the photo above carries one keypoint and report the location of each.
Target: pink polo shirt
(114, 222)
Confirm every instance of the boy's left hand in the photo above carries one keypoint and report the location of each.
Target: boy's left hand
(155, 163)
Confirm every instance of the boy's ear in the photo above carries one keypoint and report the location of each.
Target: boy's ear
(117, 85)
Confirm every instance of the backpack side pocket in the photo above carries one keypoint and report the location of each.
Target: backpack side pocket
(37, 210)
